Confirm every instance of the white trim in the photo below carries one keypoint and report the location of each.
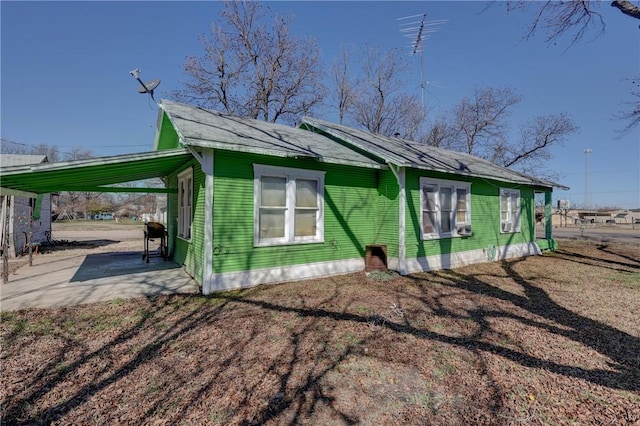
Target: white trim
(456, 260)
(511, 226)
(244, 279)
(291, 175)
(186, 174)
(401, 177)
(207, 168)
(454, 185)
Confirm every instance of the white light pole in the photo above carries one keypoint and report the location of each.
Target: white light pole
(587, 179)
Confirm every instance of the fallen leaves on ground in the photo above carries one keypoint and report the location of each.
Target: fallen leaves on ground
(552, 339)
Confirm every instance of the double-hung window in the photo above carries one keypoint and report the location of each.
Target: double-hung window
(509, 210)
(446, 208)
(185, 203)
(288, 206)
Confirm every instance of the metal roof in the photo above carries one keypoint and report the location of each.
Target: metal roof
(8, 160)
(205, 128)
(406, 153)
(93, 174)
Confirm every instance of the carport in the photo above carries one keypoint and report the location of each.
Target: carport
(90, 175)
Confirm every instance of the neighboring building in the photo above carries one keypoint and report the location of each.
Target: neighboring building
(251, 202)
(27, 215)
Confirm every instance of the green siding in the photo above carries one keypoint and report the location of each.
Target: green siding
(387, 221)
(167, 137)
(188, 253)
(350, 214)
(485, 218)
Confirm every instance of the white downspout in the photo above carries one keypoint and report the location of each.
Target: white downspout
(400, 174)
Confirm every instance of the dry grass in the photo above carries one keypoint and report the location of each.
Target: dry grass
(553, 339)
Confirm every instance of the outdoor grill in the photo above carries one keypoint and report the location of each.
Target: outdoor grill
(153, 231)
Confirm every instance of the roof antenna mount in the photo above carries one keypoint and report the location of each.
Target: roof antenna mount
(146, 87)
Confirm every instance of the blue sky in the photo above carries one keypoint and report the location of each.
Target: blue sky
(65, 73)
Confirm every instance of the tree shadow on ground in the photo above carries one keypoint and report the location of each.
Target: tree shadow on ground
(295, 376)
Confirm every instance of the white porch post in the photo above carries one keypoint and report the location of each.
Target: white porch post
(207, 168)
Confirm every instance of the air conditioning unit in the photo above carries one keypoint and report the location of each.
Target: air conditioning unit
(507, 226)
(464, 230)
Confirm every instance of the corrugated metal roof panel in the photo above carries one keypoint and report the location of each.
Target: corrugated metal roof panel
(210, 129)
(93, 173)
(411, 154)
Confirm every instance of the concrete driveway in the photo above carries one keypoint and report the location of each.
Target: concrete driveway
(96, 277)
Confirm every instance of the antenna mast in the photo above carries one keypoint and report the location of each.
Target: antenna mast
(418, 30)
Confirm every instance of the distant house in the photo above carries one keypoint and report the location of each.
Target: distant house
(28, 215)
(251, 202)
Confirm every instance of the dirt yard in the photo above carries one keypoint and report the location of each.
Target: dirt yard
(552, 339)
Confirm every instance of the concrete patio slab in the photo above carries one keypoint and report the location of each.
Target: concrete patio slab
(68, 281)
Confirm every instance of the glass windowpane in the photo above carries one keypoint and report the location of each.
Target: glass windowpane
(305, 223)
(306, 193)
(428, 222)
(271, 223)
(445, 199)
(461, 215)
(445, 222)
(273, 191)
(429, 197)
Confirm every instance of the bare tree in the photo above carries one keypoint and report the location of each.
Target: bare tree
(253, 69)
(344, 84)
(531, 152)
(78, 153)
(576, 19)
(375, 99)
(632, 114)
(12, 147)
(480, 121)
(572, 18)
(479, 125)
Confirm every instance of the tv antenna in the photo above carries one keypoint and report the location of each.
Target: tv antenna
(146, 87)
(418, 30)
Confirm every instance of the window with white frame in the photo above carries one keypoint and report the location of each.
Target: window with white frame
(288, 205)
(509, 210)
(446, 208)
(185, 203)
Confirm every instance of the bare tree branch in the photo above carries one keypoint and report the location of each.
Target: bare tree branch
(573, 18)
(253, 69)
(631, 115)
(627, 8)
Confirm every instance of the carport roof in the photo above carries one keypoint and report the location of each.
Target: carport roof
(93, 174)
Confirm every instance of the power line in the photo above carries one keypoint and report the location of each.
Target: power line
(56, 147)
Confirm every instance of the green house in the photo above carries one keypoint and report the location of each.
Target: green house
(264, 203)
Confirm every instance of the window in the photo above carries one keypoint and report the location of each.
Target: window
(288, 206)
(185, 203)
(446, 208)
(509, 210)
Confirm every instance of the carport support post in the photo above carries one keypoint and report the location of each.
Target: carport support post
(5, 238)
(30, 234)
(548, 211)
